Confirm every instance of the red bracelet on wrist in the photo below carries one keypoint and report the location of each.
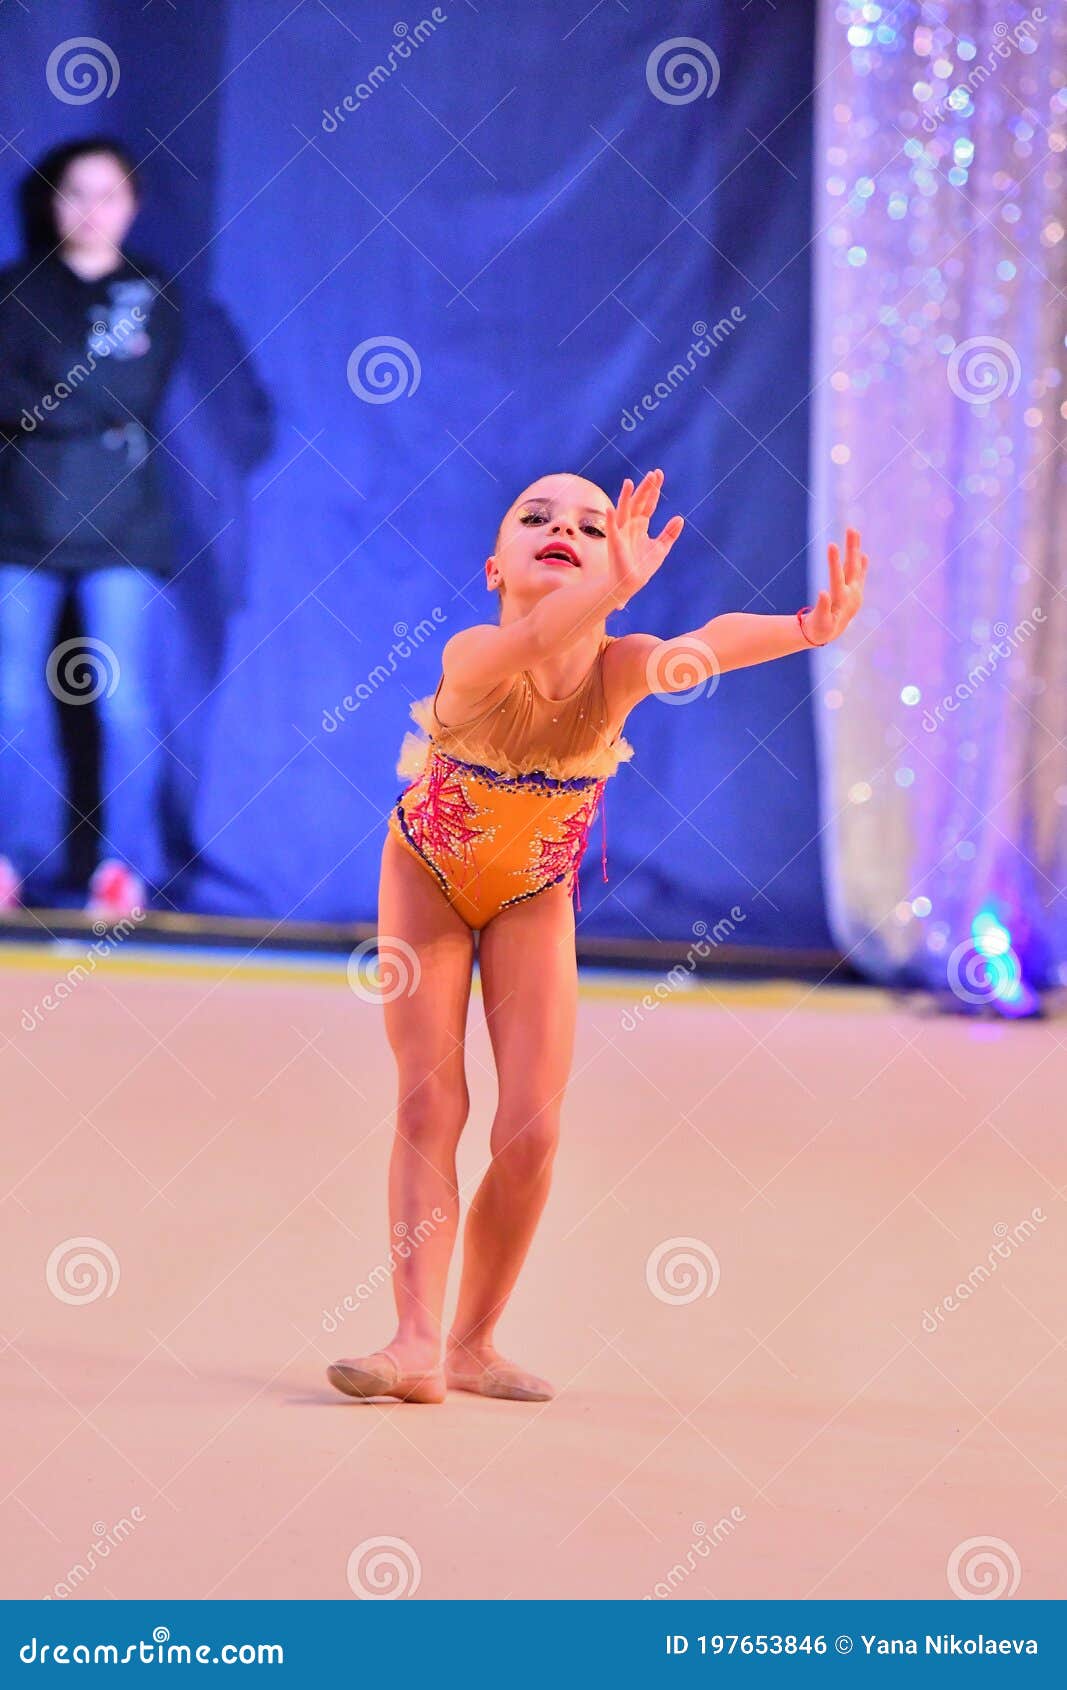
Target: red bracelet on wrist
(801, 613)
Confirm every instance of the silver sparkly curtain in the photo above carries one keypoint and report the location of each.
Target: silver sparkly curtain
(940, 399)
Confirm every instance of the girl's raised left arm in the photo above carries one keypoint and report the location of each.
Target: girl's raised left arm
(644, 664)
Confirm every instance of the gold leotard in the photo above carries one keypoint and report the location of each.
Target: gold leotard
(500, 808)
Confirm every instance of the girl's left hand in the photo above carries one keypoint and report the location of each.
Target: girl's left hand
(634, 554)
(833, 611)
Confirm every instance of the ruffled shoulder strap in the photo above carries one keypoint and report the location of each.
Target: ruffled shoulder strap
(415, 747)
(623, 750)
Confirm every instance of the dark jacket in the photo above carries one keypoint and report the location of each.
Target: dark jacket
(83, 366)
(219, 423)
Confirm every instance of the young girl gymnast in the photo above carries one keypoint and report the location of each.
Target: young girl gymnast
(523, 731)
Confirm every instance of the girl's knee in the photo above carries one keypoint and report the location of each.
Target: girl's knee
(525, 1141)
(432, 1107)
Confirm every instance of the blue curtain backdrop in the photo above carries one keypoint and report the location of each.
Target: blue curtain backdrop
(526, 225)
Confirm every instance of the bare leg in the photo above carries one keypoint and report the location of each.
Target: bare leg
(423, 943)
(529, 984)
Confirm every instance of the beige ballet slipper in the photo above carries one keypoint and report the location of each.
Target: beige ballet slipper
(379, 1375)
(499, 1379)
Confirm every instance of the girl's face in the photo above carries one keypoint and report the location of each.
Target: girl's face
(551, 538)
(94, 202)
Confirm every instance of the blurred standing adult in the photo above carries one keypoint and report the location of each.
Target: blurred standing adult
(89, 334)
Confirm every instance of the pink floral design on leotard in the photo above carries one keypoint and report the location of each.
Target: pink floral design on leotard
(558, 859)
(440, 821)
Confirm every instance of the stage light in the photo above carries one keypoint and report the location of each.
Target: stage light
(990, 938)
(1007, 991)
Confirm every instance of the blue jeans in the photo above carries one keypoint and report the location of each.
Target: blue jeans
(110, 666)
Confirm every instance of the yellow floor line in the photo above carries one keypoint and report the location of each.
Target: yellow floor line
(639, 990)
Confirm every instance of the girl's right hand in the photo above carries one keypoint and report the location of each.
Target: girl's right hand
(633, 554)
